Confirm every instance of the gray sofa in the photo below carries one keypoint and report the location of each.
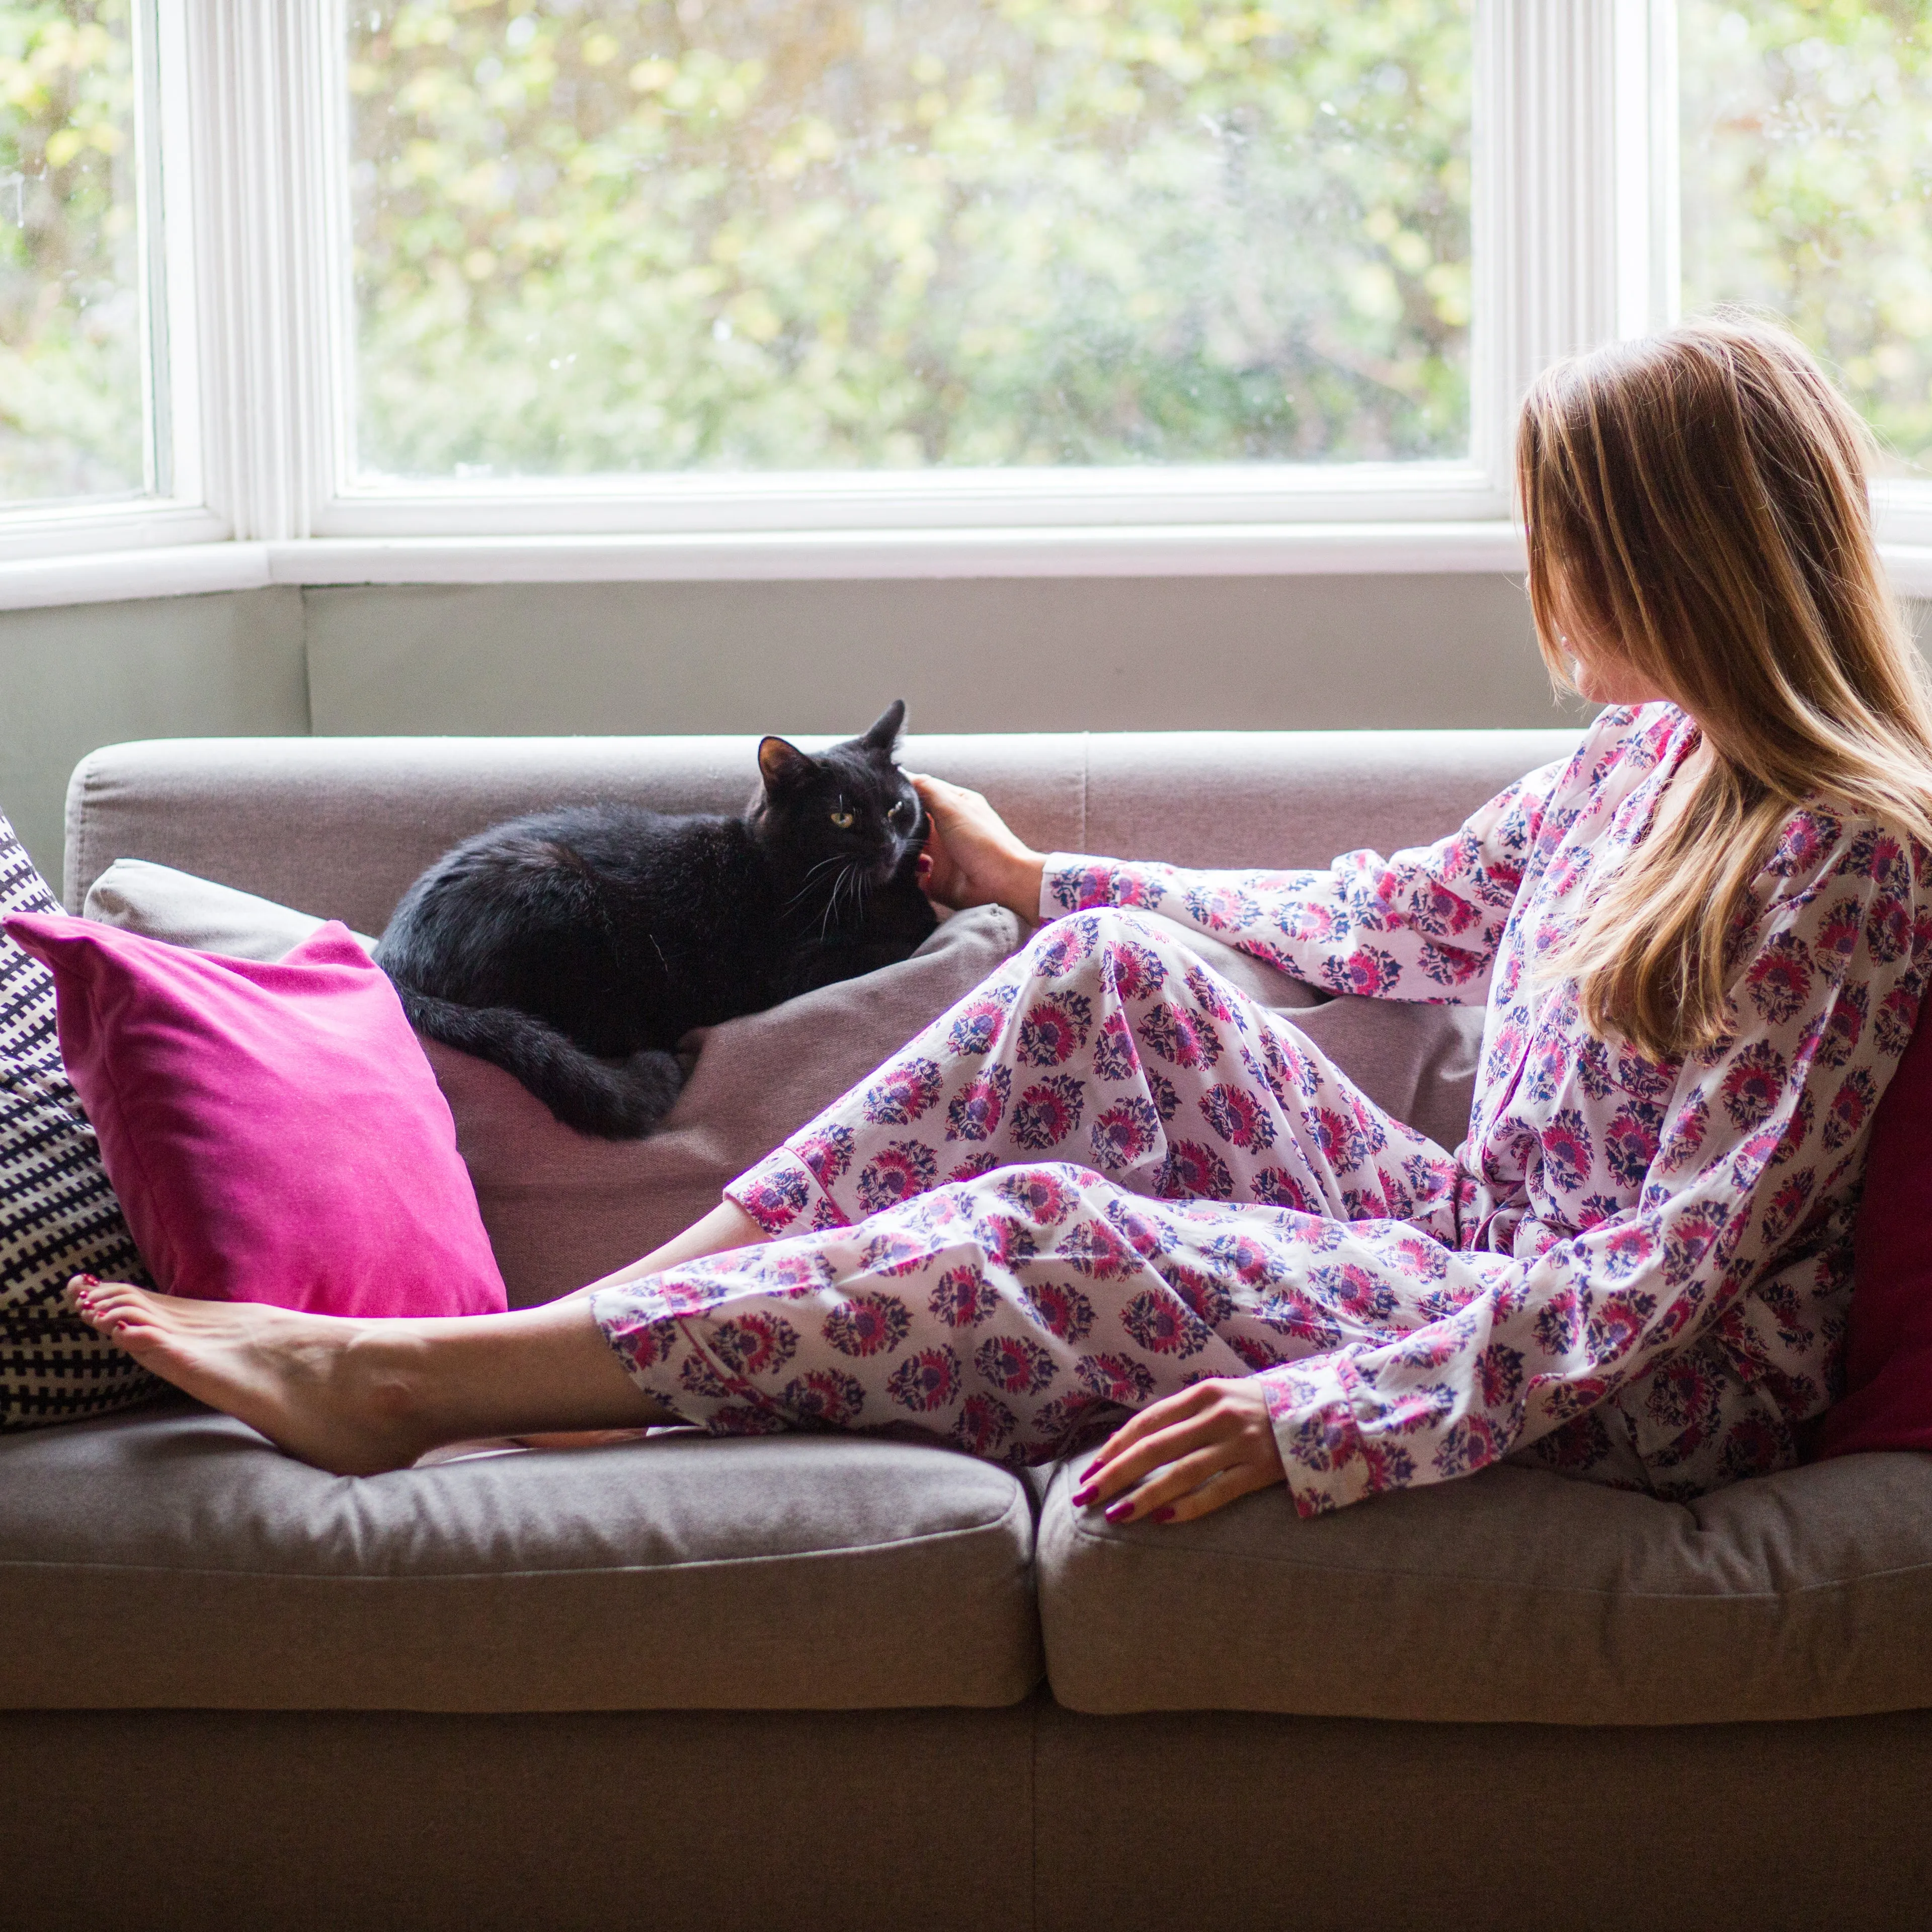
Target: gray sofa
(832, 1681)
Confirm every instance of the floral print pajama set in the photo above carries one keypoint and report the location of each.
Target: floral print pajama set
(1106, 1174)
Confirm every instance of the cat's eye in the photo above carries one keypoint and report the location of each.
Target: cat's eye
(842, 819)
(902, 812)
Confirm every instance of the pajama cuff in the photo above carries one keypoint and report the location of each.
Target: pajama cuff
(784, 1196)
(1073, 881)
(1312, 1406)
(643, 1322)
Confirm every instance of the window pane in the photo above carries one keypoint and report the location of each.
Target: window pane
(1807, 187)
(71, 417)
(599, 236)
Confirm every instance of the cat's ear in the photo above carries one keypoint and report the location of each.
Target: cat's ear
(885, 733)
(782, 764)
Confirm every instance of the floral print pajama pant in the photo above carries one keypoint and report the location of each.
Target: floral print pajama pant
(1103, 1176)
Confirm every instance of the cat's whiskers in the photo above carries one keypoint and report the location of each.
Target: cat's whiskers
(831, 904)
(854, 874)
(811, 879)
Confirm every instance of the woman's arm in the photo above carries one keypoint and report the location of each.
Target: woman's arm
(1421, 924)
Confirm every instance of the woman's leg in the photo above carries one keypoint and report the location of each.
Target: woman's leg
(727, 1226)
(1012, 1314)
(358, 1396)
(1107, 1043)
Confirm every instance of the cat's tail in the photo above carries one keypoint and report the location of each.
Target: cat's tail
(617, 1100)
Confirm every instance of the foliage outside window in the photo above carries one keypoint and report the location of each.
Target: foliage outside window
(71, 376)
(630, 239)
(1807, 188)
(599, 236)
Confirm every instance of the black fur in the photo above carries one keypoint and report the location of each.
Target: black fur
(575, 948)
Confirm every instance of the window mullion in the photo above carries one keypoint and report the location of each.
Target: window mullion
(1548, 195)
(174, 340)
(264, 366)
(1645, 180)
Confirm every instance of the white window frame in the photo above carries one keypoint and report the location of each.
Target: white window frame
(175, 509)
(1575, 242)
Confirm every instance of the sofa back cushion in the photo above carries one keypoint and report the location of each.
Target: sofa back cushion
(341, 827)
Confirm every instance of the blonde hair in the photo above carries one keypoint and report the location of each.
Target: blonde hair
(1697, 508)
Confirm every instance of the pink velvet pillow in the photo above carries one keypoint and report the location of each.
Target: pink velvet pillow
(274, 1131)
(1887, 1403)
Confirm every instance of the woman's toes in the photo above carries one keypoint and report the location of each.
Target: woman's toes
(114, 1308)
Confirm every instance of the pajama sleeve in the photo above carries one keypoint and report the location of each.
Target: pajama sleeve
(1758, 1140)
(1422, 924)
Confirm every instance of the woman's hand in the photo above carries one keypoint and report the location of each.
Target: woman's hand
(1186, 1455)
(971, 857)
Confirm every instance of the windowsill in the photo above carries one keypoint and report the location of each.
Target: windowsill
(1365, 550)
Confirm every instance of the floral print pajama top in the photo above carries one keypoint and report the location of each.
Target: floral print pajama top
(1108, 1174)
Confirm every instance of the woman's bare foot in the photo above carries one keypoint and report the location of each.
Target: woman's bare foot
(336, 1393)
(356, 1397)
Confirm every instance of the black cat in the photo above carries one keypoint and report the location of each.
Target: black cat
(574, 948)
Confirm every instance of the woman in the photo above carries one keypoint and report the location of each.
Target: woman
(1107, 1182)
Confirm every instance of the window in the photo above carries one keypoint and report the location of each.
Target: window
(1812, 196)
(76, 416)
(100, 426)
(423, 289)
(599, 236)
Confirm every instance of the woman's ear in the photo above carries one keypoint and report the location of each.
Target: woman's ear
(782, 765)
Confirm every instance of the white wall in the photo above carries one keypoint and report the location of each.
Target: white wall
(1050, 654)
(91, 674)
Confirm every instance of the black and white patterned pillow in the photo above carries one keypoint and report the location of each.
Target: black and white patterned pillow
(58, 1215)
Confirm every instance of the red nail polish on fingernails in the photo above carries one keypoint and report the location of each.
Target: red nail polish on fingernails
(1081, 1498)
(1119, 1512)
(1164, 1514)
(1092, 1470)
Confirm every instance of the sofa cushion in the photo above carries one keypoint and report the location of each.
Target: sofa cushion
(139, 896)
(1516, 1595)
(174, 1558)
